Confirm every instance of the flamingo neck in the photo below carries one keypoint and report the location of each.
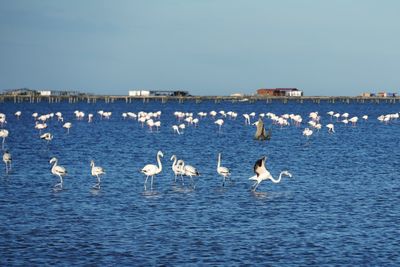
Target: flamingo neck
(175, 160)
(54, 164)
(278, 180)
(159, 163)
(219, 161)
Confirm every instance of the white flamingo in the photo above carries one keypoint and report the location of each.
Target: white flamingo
(263, 174)
(47, 136)
(151, 169)
(3, 134)
(182, 127)
(7, 160)
(189, 171)
(220, 122)
(96, 171)
(67, 126)
(223, 171)
(40, 126)
(58, 171)
(307, 132)
(18, 114)
(246, 119)
(177, 167)
(353, 120)
(331, 128)
(176, 129)
(157, 124)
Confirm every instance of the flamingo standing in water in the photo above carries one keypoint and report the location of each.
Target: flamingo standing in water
(96, 171)
(18, 114)
(47, 136)
(223, 171)
(7, 160)
(4, 135)
(220, 122)
(331, 128)
(189, 170)
(307, 132)
(176, 129)
(151, 169)
(67, 126)
(177, 167)
(263, 174)
(58, 171)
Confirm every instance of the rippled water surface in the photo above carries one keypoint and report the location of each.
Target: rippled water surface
(342, 206)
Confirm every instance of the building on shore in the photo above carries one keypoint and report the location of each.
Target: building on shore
(157, 93)
(44, 92)
(20, 91)
(236, 95)
(279, 92)
(379, 94)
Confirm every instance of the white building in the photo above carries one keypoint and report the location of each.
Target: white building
(139, 93)
(294, 93)
(237, 95)
(45, 93)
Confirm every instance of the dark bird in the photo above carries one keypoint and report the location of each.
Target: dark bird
(260, 133)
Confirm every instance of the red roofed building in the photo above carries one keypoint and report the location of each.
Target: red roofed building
(280, 92)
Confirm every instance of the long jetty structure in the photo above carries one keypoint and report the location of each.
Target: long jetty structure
(196, 99)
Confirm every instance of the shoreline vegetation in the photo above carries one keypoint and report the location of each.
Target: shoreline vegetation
(89, 98)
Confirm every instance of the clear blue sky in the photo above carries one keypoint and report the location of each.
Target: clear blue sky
(209, 47)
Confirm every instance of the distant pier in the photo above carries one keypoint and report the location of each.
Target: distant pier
(196, 99)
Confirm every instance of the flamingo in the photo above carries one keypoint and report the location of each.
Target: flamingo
(219, 122)
(365, 117)
(182, 126)
(90, 117)
(263, 174)
(353, 120)
(3, 134)
(96, 171)
(189, 170)
(40, 126)
(246, 119)
(151, 169)
(223, 171)
(18, 114)
(177, 167)
(67, 126)
(331, 128)
(58, 171)
(307, 132)
(157, 124)
(336, 115)
(7, 160)
(176, 129)
(47, 136)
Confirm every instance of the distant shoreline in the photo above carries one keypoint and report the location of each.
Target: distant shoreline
(253, 98)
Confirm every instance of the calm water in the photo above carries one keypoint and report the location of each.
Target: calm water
(342, 206)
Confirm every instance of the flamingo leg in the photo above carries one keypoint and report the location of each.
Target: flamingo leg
(145, 182)
(254, 189)
(152, 177)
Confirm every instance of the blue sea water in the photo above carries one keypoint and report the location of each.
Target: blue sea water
(340, 208)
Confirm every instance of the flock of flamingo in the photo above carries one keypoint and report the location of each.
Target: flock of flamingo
(183, 119)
